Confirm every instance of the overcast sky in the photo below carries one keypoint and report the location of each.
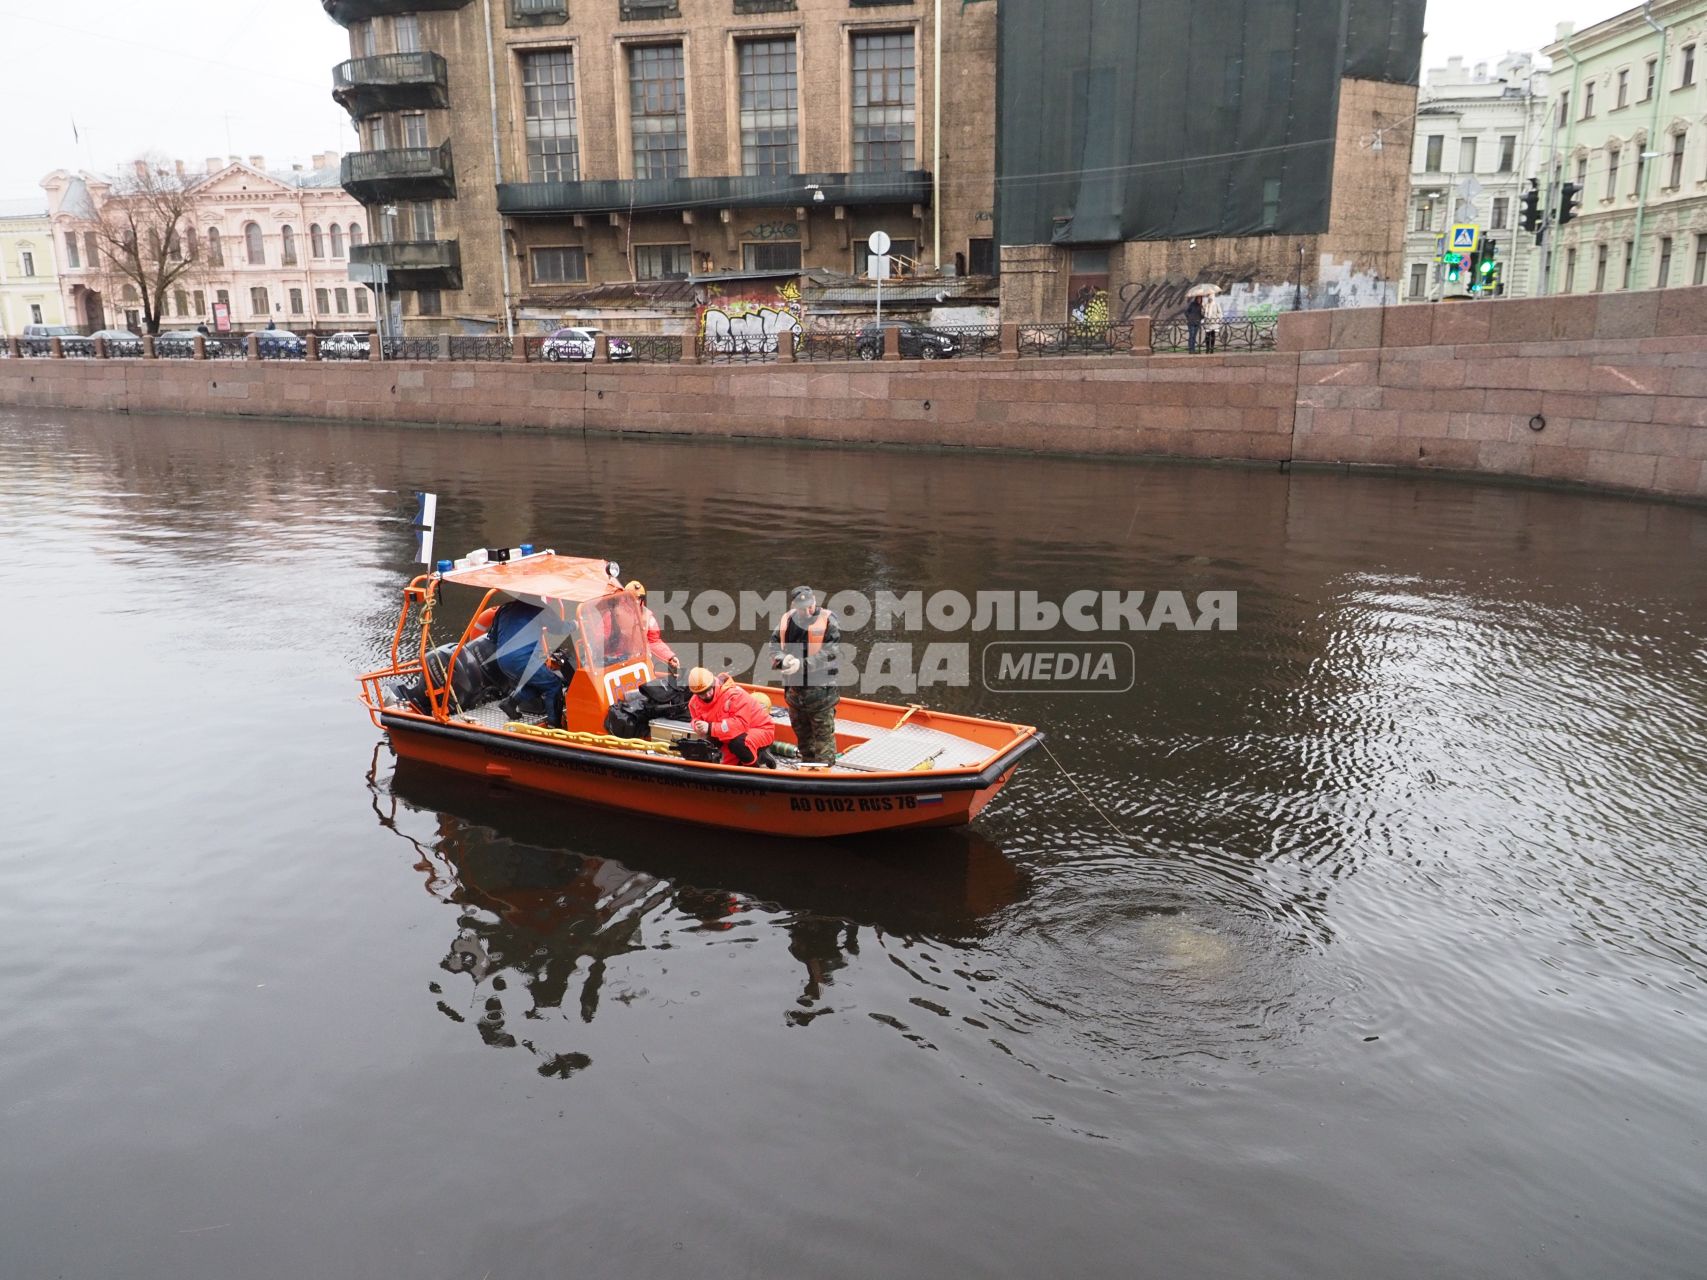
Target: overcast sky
(199, 78)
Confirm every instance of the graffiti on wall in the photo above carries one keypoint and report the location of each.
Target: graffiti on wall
(1336, 285)
(749, 322)
(1088, 311)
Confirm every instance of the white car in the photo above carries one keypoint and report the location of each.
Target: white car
(346, 345)
(577, 344)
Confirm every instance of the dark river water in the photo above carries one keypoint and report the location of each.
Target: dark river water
(1384, 955)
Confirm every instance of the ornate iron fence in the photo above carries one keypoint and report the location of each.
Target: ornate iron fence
(654, 348)
(1236, 333)
(975, 341)
(827, 344)
(411, 349)
(481, 347)
(737, 349)
(233, 346)
(1074, 340)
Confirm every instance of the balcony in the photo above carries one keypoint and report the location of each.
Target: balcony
(390, 82)
(414, 264)
(536, 13)
(851, 190)
(647, 10)
(403, 173)
(344, 12)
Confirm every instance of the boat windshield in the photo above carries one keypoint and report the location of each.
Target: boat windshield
(613, 631)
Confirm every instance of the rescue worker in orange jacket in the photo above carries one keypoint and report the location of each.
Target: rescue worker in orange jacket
(806, 650)
(727, 714)
(662, 654)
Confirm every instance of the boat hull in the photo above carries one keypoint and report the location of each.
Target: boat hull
(762, 801)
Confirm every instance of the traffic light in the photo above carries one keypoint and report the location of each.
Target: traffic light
(1529, 216)
(1570, 196)
(1454, 268)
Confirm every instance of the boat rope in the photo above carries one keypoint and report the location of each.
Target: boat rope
(1076, 787)
(643, 745)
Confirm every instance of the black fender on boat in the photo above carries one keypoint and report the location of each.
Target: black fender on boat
(802, 784)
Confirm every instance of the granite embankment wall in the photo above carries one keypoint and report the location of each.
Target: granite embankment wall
(1608, 391)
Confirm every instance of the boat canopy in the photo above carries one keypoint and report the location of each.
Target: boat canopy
(544, 575)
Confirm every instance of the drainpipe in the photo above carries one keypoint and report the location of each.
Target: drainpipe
(1556, 189)
(1653, 139)
(497, 166)
(936, 146)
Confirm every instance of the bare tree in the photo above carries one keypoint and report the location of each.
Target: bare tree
(141, 222)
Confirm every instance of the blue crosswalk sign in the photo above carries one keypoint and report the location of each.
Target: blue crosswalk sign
(1464, 238)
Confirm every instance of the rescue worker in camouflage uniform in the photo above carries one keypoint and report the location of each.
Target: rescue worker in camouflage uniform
(804, 651)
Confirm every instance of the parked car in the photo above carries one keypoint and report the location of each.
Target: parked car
(120, 342)
(37, 340)
(180, 344)
(578, 344)
(346, 345)
(916, 342)
(281, 344)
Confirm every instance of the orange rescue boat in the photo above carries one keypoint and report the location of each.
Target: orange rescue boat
(898, 767)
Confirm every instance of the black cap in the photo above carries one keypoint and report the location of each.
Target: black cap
(800, 591)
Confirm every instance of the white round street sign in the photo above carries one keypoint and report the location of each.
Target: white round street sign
(878, 242)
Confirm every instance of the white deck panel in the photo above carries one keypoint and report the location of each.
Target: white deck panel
(912, 747)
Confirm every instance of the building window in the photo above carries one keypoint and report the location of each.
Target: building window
(548, 92)
(253, 245)
(1641, 165)
(406, 33)
(1570, 270)
(258, 301)
(883, 102)
(181, 302)
(428, 302)
(773, 255)
(72, 260)
(559, 266)
(296, 302)
(287, 246)
(342, 298)
(415, 129)
(1700, 276)
(361, 302)
(1688, 76)
(1629, 262)
(1582, 174)
(662, 261)
(1270, 203)
(1677, 140)
(1600, 256)
(337, 241)
(191, 241)
(1564, 108)
(422, 224)
(1612, 155)
(92, 249)
(1508, 152)
(322, 301)
(770, 136)
(1588, 100)
(35, 313)
(908, 249)
(657, 110)
(355, 234)
(981, 256)
(1662, 273)
(1466, 155)
(1623, 88)
(223, 297)
(376, 139)
(1653, 70)
(1496, 219)
(200, 302)
(366, 39)
(1419, 280)
(316, 241)
(26, 263)
(1436, 146)
(1423, 213)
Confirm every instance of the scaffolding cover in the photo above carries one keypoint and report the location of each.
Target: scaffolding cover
(1157, 119)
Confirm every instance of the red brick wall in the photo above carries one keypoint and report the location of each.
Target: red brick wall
(1620, 381)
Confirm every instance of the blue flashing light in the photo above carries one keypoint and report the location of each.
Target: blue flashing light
(526, 548)
(445, 566)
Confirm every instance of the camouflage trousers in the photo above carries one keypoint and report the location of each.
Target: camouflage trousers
(812, 712)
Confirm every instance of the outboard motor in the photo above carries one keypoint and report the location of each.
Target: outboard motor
(473, 681)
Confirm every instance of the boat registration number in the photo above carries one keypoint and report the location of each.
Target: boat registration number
(852, 804)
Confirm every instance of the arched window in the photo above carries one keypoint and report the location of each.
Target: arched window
(191, 243)
(287, 246)
(129, 294)
(316, 241)
(215, 250)
(253, 245)
(337, 241)
(355, 234)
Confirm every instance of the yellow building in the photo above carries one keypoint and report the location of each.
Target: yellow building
(29, 276)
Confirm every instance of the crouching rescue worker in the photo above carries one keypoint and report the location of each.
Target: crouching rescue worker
(732, 718)
(805, 652)
(531, 643)
(662, 654)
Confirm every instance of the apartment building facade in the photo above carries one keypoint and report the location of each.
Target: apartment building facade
(1480, 137)
(29, 285)
(1628, 125)
(505, 166)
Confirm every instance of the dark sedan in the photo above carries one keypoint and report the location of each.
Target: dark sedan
(281, 344)
(180, 344)
(915, 341)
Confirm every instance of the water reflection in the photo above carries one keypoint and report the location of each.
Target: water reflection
(540, 919)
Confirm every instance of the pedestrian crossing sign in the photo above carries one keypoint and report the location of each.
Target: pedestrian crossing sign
(1464, 237)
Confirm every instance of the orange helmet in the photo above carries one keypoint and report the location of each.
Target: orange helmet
(699, 680)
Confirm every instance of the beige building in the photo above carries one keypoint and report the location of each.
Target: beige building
(508, 169)
(266, 244)
(29, 287)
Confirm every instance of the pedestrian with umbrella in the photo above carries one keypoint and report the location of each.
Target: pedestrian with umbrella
(1203, 314)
